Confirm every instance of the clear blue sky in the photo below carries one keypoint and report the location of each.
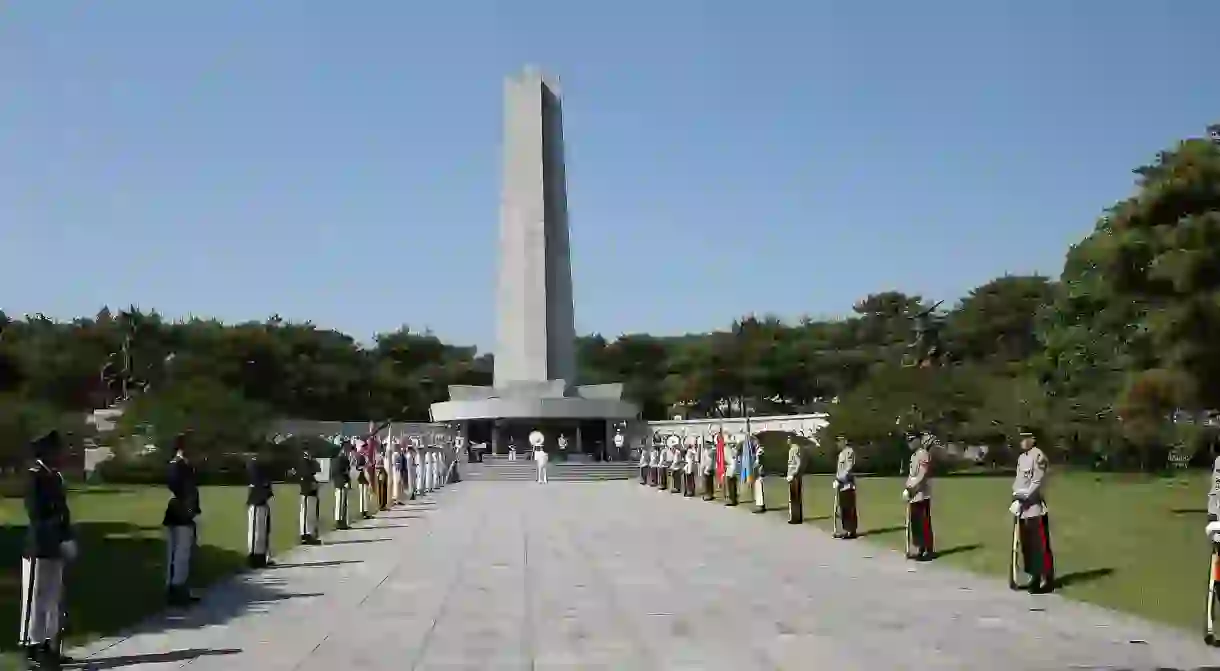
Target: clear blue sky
(338, 161)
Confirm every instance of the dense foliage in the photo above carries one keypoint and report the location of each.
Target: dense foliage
(1116, 361)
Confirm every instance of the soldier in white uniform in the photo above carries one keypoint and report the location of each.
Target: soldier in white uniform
(844, 485)
(918, 494)
(1032, 515)
(731, 458)
(618, 441)
(796, 504)
(709, 472)
(758, 475)
(654, 465)
(644, 456)
(417, 467)
(541, 458)
(1213, 539)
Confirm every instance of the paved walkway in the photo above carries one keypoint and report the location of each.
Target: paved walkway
(618, 576)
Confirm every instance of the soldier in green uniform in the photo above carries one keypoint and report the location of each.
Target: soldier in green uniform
(917, 492)
(1032, 517)
(49, 545)
(796, 514)
(844, 485)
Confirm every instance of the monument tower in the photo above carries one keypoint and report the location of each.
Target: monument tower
(535, 384)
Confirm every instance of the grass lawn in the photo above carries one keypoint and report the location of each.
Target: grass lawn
(1131, 543)
(119, 578)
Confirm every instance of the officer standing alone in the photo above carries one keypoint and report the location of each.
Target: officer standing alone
(918, 495)
(845, 491)
(181, 532)
(49, 545)
(1032, 515)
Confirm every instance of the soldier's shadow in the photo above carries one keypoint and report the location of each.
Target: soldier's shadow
(119, 581)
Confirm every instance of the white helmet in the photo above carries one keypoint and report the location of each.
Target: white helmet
(537, 439)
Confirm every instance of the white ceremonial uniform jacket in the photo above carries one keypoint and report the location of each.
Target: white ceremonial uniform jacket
(730, 461)
(691, 458)
(709, 460)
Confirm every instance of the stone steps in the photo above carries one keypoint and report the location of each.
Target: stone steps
(525, 470)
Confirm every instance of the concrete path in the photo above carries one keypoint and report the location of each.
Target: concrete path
(619, 576)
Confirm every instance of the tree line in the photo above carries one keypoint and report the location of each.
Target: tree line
(1116, 362)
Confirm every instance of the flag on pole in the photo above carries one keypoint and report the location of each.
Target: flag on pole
(747, 458)
(720, 455)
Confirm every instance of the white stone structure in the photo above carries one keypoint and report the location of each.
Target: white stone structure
(535, 363)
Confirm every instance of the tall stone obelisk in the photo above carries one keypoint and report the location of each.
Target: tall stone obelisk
(535, 385)
(535, 338)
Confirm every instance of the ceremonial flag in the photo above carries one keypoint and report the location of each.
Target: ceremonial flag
(720, 455)
(747, 458)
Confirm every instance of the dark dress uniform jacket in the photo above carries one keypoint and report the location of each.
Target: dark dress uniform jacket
(183, 483)
(47, 506)
(260, 484)
(309, 481)
(341, 471)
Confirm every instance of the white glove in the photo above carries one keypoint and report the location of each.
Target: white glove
(1015, 508)
(906, 496)
(1213, 528)
(834, 484)
(789, 478)
(68, 550)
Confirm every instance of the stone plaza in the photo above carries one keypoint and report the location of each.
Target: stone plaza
(618, 576)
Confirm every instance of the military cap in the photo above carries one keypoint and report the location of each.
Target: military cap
(48, 442)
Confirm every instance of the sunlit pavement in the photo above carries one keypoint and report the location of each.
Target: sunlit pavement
(613, 575)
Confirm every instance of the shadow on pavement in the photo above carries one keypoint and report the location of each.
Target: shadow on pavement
(1188, 511)
(188, 655)
(314, 564)
(118, 583)
(354, 541)
(880, 530)
(957, 549)
(1082, 576)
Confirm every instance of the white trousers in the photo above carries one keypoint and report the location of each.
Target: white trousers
(308, 516)
(179, 547)
(419, 479)
(758, 492)
(42, 585)
(512, 455)
(363, 492)
(396, 486)
(542, 471)
(341, 504)
(431, 475)
(258, 530)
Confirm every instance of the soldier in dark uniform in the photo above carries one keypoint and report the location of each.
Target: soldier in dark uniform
(181, 533)
(341, 480)
(382, 480)
(310, 506)
(258, 514)
(49, 544)
(362, 484)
